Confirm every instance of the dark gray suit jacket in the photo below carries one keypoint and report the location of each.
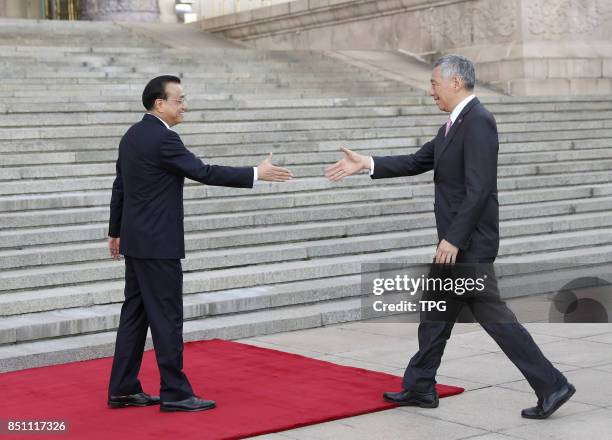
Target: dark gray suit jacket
(146, 208)
(465, 176)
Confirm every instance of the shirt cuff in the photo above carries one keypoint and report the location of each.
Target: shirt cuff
(371, 166)
(254, 175)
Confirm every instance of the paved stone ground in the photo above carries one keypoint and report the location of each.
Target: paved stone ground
(495, 390)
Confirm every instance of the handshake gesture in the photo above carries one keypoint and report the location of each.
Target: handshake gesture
(272, 173)
(350, 164)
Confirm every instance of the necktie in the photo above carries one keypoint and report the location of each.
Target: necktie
(448, 126)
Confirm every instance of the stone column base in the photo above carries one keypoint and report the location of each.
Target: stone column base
(544, 68)
(115, 10)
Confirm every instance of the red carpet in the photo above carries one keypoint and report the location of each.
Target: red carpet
(257, 391)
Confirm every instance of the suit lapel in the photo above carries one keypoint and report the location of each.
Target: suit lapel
(454, 128)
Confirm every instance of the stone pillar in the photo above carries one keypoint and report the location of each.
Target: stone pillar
(119, 10)
(20, 9)
(541, 47)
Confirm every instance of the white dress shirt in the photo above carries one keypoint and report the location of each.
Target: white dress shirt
(453, 116)
(168, 127)
(459, 108)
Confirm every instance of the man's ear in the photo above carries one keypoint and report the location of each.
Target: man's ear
(457, 82)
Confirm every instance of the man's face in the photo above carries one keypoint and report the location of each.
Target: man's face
(173, 108)
(444, 91)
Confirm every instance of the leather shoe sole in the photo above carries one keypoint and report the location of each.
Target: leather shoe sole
(186, 409)
(557, 405)
(125, 403)
(414, 402)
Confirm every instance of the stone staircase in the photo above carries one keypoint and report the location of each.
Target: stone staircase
(281, 256)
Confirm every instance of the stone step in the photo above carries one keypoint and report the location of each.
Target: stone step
(79, 66)
(256, 323)
(115, 79)
(412, 104)
(83, 320)
(263, 90)
(75, 70)
(264, 195)
(72, 67)
(310, 165)
(405, 105)
(238, 97)
(132, 86)
(324, 151)
(309, 191)
(249, 302)
(56, 323)
(264, 310)
(287, 131)
(516, 220)
(105, 292)
(529, 151)
(232, 100)
(109, 41)
(64, 218)
(227, 249)
(298, 115)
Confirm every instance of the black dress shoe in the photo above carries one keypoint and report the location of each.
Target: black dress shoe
(191, 404)
(550, 403)
(140, 399)
(412, 398)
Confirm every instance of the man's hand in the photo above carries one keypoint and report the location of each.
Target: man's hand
(350, 164)
(113, 247)
(271, 173)
(446, 253)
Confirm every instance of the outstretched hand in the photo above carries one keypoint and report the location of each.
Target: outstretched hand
(271, 173)
(350, 164)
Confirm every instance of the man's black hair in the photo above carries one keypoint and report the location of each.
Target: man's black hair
(156, 89)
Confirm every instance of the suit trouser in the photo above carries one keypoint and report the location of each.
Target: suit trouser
(153, 296)
(498, 321)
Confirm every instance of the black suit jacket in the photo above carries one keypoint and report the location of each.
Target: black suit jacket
(146, 208)
(465, 177)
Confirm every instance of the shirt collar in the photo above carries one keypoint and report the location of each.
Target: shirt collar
(163, 122)
(459, 107)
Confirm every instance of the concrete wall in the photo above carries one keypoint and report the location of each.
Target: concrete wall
(525, 47)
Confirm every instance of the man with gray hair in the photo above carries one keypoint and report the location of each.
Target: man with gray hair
(463, 157)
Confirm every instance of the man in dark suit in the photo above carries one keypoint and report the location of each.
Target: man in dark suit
(463, 157)
(146, 226)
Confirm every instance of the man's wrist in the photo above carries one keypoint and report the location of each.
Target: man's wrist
(366, 162)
